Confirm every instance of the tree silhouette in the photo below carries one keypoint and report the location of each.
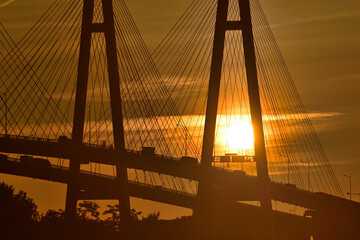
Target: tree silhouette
(88, 210)
(152, 217)
(114, 218)
(17, 204)
(53, 215)
(17, 211)
(114, 211)
(20, 220)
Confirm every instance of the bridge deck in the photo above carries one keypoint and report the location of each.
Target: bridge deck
(99, 186)
(234, 187)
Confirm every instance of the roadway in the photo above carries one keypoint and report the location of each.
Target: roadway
(233, 186)
(100, 187)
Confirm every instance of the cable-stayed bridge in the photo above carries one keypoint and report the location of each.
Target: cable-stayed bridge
(81, 91)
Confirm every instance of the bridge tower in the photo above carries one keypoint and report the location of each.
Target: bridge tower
(87, 29)
(244, 25)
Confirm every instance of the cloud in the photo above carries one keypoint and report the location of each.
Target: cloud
(323, 115)
(6, 3)
(317, 19)
(343, 78)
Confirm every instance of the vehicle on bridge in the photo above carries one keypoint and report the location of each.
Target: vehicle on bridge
(149, 151)
(26, 159)
(158, 187)
(240, 172)
(34, 161)
(290, 185)
(63, 139)
(190, 160)
(42, 162)
(3, 157)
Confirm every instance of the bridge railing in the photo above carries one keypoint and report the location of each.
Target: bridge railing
(30, 138)
(106, 176)
(91, 145)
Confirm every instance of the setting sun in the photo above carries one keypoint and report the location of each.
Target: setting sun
(240, 137)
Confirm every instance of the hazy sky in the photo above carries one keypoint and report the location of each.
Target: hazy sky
(320, 41)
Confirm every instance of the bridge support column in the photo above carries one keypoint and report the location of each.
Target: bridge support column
(107, 28)
(205, 184)
(79, 112)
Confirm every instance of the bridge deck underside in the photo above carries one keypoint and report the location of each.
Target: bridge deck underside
(233, 187)
(95, 187)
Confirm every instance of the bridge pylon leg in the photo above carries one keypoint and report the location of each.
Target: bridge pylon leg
(222, 25)
(108, 29)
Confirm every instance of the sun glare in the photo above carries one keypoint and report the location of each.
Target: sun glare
(240, 137)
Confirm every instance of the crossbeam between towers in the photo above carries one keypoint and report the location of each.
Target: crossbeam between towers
(107, 28)
(222, 25)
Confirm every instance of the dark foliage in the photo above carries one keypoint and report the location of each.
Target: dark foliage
(17, 211)
(20, 220)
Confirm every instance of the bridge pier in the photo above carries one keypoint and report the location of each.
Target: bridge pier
(108, 29)
(222, 25)
(332, 218)
(73, 190)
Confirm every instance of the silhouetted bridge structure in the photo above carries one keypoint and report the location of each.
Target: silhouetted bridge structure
(232, 186)
(246, 185)
(100, 187)
(85, 62)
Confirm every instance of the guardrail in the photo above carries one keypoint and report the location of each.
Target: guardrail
(54, 141)
(104, 176)
(91, 145)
